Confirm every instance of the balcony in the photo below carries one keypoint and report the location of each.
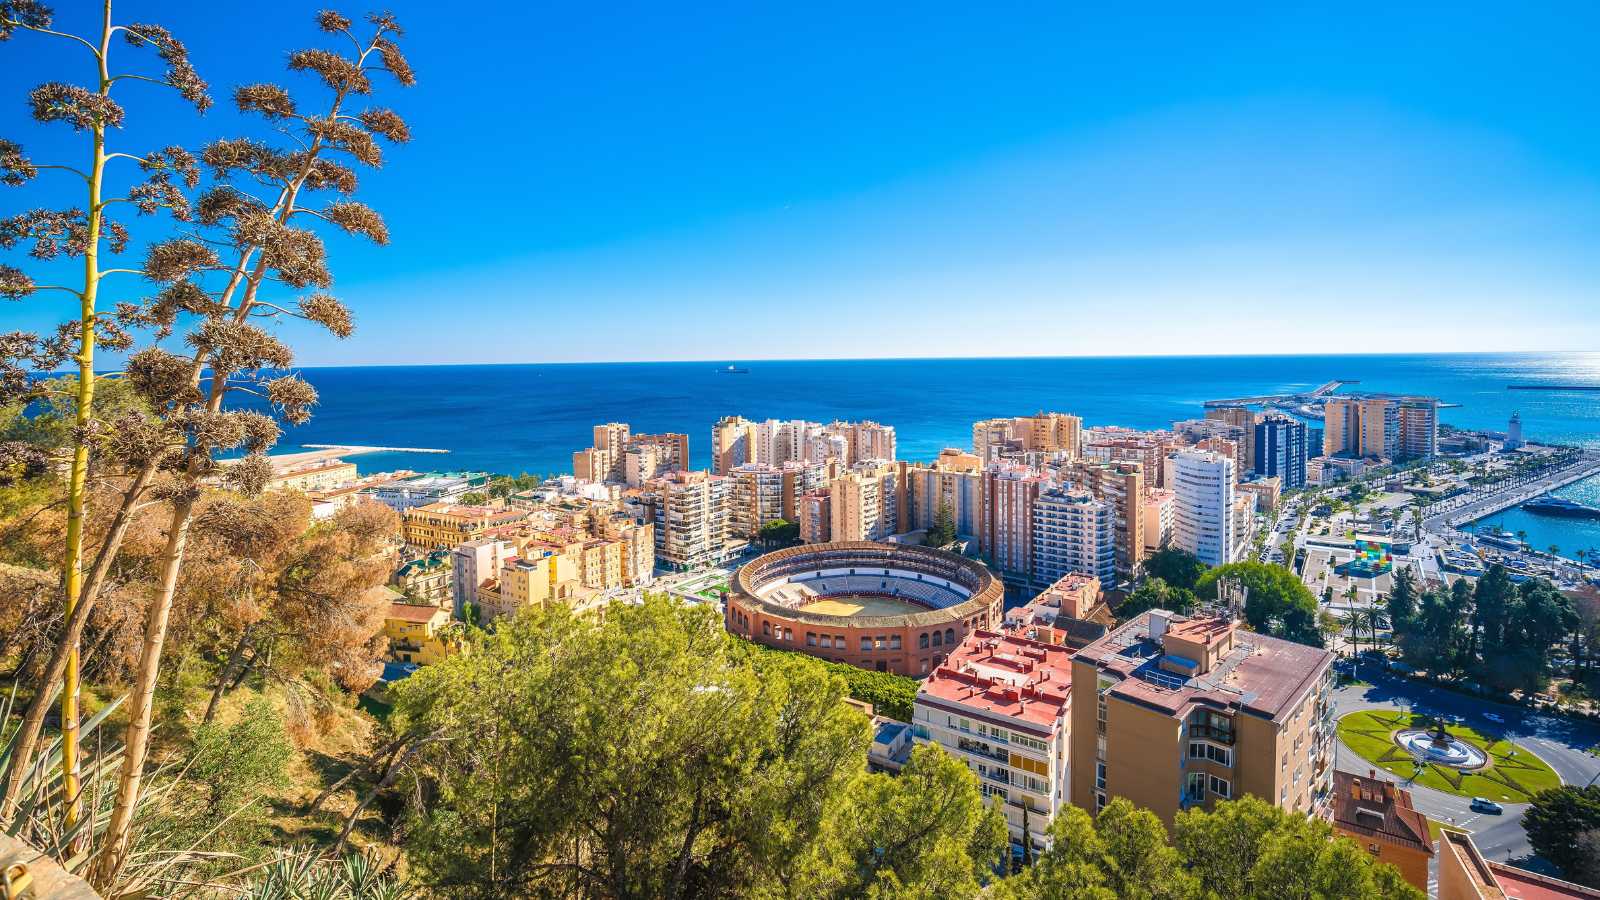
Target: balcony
(981, 749)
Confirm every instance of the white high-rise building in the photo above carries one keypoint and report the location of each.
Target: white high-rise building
(1203, 521)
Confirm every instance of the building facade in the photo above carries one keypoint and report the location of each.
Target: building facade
(1001, 704)
(1072, 533)
(1175, 713)
(1203, 506)
(1281, 449)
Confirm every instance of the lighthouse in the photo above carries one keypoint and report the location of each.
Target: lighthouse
(1514, 431)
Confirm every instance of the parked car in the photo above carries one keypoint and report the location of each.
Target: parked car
(1480, 804)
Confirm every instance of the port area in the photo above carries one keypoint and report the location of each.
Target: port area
(1472, 507)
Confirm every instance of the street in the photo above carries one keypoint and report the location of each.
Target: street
(1560, 742)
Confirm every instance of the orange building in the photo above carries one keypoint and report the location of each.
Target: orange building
(1379, 816)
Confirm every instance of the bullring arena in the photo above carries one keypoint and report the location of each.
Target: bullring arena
(897, 608)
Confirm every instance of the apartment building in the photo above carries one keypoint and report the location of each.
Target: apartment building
(1124, 487)
(419, 633)
(1228, 447)
(731, 444)
(815, 517)
(756, 498)
(691, 519)
(425, 579)
(473, 564)
(1072, 533)
(1419, 428)
(1281, 449)
(992, 437)
(1159, 509)
(864, 503)
(311, 475)
(1245, 420)
(1002, 705)
(865, 441)
(1009, 492)
(1174, 712)
(617, 455)
(1072, 613)
(951, 482)
(1203, 520)
(802, 477)
(1052, 433)
(540, 577)
(442, 526)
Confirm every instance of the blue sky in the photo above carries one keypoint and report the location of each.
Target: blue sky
(617, 182)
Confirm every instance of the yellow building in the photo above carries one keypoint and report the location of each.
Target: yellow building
(1174, 712)
(315, 475)
(419, 633)
(534, 580)
(443, 526)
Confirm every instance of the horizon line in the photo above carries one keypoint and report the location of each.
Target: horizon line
(792, 359)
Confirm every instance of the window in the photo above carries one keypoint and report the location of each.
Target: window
(949, 635)
(838, 641)
(1197, 750)
(788, 634)
(1219, 786)
(1194, 787)
(894, 642)
(922, 641)
(938, 639)
(1100, 776)
(827, 641)
(811, 639)
(1219, 755)
(1099, 801)
(766, 628)
(866, 643)
(1030, 743)
(881, 642)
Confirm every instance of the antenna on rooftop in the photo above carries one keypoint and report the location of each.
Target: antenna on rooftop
(1231, 596)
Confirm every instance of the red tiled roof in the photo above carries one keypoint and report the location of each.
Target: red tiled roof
(413, 612)
(1007, 675)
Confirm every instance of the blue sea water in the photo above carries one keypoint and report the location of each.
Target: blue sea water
(529, 418)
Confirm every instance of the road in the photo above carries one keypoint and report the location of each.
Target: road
(1559, 741)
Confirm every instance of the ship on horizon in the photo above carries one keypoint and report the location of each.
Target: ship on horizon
(734, 370)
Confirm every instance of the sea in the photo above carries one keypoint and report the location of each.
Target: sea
(529, 418)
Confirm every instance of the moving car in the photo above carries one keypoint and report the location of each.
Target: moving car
(1480, 804)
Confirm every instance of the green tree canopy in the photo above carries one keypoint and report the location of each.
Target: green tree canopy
(1178, 568)
(1155, 593)
(1556, 822)
(1276, 603)
(779, 533)
(943, 532)
(650, 755)
(1246, 849)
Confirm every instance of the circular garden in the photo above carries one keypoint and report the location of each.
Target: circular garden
(1513, 774)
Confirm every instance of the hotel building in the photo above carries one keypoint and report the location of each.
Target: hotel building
(1203, 520)
(442, 526)
(1072, 533)
(1002, 705)
(1175, 713)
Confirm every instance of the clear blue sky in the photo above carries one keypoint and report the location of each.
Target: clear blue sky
(681, 181)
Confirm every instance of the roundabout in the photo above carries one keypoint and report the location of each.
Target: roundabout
(1454, 759)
